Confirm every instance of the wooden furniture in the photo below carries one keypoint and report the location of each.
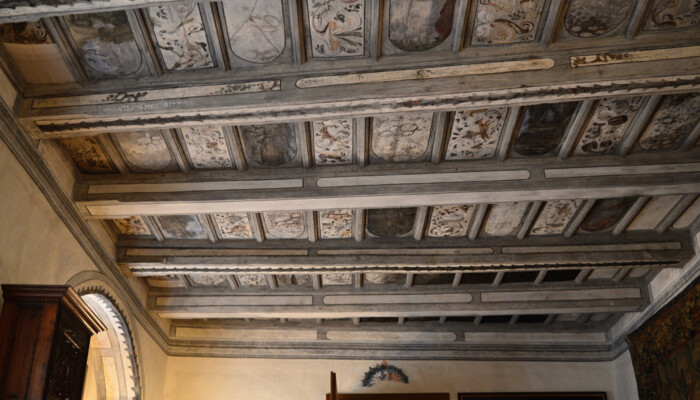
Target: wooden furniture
(44, 340)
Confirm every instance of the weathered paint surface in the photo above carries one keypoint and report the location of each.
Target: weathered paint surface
(676, 117)
(332, 141)
(255, 29)
(672, 14)
(294, 280)
(542, 128)
(207, 280)
(180, 36)
(233, 225)
(270, 145)
(145, 150)
(390, 222)
(554, 217)
(606, 213)
(450, 221)
(401, 137)
(107, 44)
(207, 147)
(336, 27)
(132, 226)
(506, 21)
(608, 124)
(87, 154)
(379, 278)
(335, 224)
(417, 25)
(591, 18)
(181, 227)
(252, 280)
(653, 212)
(475, 133)
(336, 279)
(284, 224)
(504, 218)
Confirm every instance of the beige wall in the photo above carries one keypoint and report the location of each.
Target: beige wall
(259, 379)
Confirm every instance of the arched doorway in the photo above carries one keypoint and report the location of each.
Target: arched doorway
(111, 371)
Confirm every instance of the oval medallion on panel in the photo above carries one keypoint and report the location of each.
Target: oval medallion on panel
(402, 137)
(269, 145)
(390, 222)
(605, 213)
(255, 29)
(284, 224)
(181, 227)
(590, 18)
(542, 128)
(145, 150)
(417, 25)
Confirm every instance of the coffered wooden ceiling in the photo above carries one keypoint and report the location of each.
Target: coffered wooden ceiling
(430, 178)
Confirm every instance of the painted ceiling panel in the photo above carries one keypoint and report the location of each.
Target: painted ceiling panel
(181, 36)
(87, 153)
(107, 44)
(255, 29)
(475, 133)
(401, 138)
(674, 120)
(504, 218)
(251, 279)
(270, 145)
(336, 28)
(233, 225)
(34, 52)
(506, 21)
(417, 25)
(332, 141)
(608, 125)
(203, 280)
(450, 221)
(433, 279)
(673, 14)
(132, 226)
(606, 213)
(168, 281)
(284, 224)
(207, 147)
(181, 227)
(586, 18)
(145, 151)
(554, 217)
(294, 280)
(336, 279)
(638, 272)
(379, 278)
(335, 224)
(390, 222)
(689, 216)
(602, 273)
(653, 212)
(542, 128)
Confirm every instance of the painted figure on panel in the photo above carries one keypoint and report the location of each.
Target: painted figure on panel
(337, 27)
(416, 25)
(181, 37)
(506, 21)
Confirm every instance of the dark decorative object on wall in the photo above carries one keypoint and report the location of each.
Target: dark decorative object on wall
(384, 372)
(532, 396)
(666, 350)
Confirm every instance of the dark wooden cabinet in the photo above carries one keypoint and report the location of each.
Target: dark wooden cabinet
(44, 340)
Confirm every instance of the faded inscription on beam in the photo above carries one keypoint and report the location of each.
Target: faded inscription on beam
(634, 56)
(427, 73)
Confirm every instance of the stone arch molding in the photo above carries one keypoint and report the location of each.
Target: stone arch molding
(114, 369)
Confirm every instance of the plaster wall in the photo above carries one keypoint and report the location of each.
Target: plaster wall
(264, 379)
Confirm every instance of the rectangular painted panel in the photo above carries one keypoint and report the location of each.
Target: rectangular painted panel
(506, 21)
(450, 221)
(181, 37)
(475, 133)
(207, 147)
(401, 138)
(335, 224)
(336, 28)
(554, 217)
(608, 125)
(653, 212)
(332, 141)
(233, 225)
(132, 226)
(284, 224)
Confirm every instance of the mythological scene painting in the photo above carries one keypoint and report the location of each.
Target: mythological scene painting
(418, 25)
(31, 47)
(181, 36)
(336, 28)
(506, 21)
(256, 29)
(107, 44)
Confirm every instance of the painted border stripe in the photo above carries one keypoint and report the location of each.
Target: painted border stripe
(244, 334)
(195, 186)
(562, 295)
(634, 56)
(207, 301)
(452, 177)
(605, 247)
(374, 336)
(556, 173)
(398, 299)
(156, 252)
(372, 252)
(427, 73)
(539, 337)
